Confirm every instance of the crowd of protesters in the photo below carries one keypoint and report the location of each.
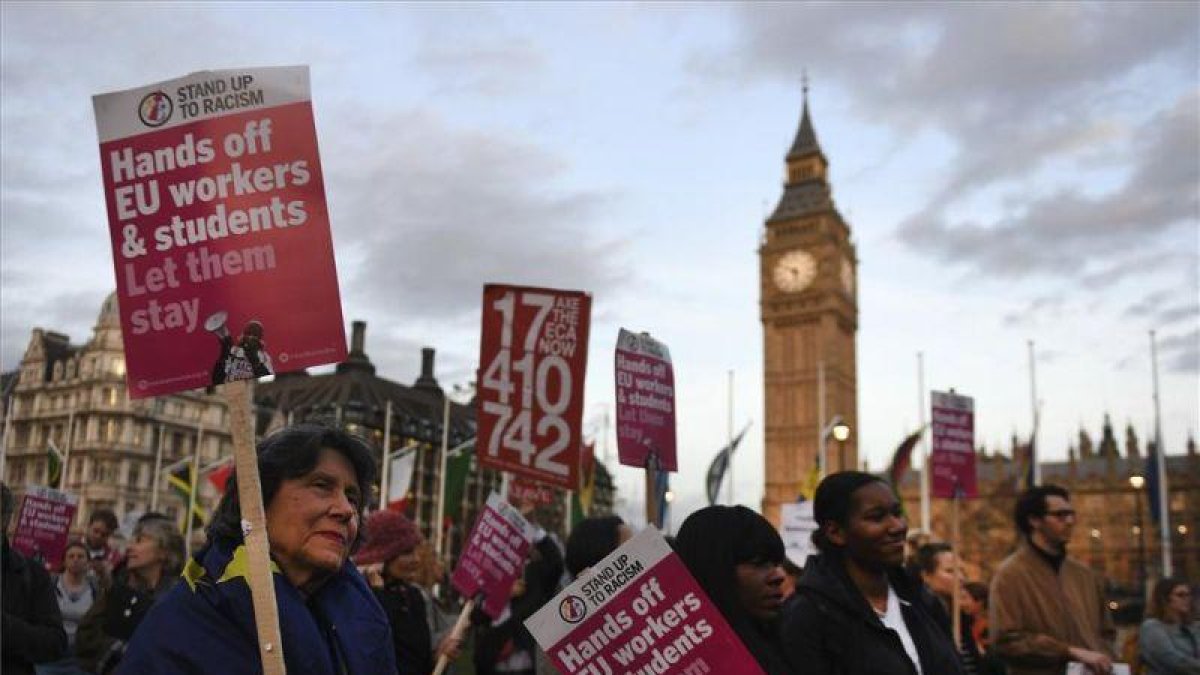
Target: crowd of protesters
(354, 591)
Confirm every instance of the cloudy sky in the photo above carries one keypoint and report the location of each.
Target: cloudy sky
(1011, 172)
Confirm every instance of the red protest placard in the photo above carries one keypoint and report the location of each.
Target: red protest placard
(219, 229)
(645, 401)
(638, 611)
(532, 360)
(524, 490)
(952, 459)
(495, 555)
(43, 522)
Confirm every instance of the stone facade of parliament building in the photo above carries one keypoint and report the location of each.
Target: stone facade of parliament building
(1114, 533)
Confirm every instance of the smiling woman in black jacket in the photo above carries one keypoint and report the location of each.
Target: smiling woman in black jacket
(858, 612)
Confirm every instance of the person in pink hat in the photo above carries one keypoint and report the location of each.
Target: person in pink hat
(387, 561)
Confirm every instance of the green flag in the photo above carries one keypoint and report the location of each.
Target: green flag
(54, 462)
(458, 466)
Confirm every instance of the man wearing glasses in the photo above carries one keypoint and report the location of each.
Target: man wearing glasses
(1048, 610)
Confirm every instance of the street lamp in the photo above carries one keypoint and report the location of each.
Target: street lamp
(840, 431)
(1137, 482)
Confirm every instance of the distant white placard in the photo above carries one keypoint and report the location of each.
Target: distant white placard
(796, 525)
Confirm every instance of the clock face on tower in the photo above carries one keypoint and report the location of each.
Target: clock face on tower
(848, 275)
(794, 271)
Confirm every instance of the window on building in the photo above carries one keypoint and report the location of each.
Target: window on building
(118, 366)
(110, 395)
(135, 474)
(111, 431)
(107, 473)
(17, 472)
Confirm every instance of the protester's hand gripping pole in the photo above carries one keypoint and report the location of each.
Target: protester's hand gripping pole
(456, 633)
(254, 528)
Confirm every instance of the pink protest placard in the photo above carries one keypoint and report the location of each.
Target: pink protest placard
(645, 401)
(532, 361)
(952, 459)
(219, 229)
(638, 611)
(495, 555)
(43, 522)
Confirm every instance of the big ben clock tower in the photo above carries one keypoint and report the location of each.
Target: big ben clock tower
(807, 274)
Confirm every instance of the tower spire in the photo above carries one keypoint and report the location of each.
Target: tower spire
(805, 143)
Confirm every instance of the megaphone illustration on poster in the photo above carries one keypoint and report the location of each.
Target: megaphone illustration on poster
(216, 323)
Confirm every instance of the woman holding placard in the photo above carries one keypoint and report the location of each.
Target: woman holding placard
(858, 611)
(736, 556)
(313, 480)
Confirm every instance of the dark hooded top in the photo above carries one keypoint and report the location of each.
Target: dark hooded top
(711, 543)
(831, 629)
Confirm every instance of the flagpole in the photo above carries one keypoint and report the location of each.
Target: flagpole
(1037, 467)
(441, 494)
(4, 441)
(925, 516)
(821, 418)
(63, 480)
(154, 484)
(386, 461)
(729, 428)
(1160, 467)
(195, 479)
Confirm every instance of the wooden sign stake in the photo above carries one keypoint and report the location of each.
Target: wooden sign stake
(456, 633)
(254, 527)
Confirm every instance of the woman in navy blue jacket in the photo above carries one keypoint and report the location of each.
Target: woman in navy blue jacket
(313, 482)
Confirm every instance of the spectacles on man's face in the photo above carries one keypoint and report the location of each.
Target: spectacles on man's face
(1062, 514)
(1181, 593)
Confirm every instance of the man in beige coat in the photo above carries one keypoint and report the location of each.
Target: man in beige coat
(1047, 609)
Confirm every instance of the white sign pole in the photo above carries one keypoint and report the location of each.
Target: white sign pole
(385, 460)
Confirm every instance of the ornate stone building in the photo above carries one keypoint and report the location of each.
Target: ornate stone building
(74, 396)
(1114, 533)
(809, 312)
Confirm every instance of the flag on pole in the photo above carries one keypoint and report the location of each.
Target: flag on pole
(219, 476)
(54, 461)
(1152, 482)
(400, 474)
(716, 470)
(587, 478)
(902, 458)
(458, 467)
(180, 480)
(808, 488)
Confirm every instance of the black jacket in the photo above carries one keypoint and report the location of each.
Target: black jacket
(542, 572)
(32, 624)
(832, 629)
(405, 609)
